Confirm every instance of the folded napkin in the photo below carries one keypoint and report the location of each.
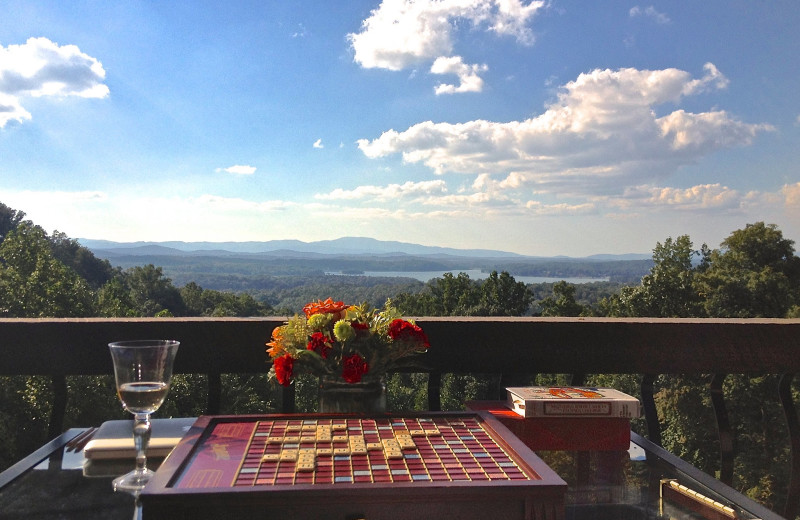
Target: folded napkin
(114, 439)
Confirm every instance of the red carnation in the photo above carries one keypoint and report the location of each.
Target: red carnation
(284, 367)
(320, 343)
(354, 367)
(405, 330)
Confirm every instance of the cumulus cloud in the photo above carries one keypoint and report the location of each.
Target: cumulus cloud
(699, 197)
(318, 144)
(602, 133)
(469, 80)
(42, 68)
(400, 34)
(649, 12)
(238, 169)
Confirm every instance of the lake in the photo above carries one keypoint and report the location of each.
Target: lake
(474, 274)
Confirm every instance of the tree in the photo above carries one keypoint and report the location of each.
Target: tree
(501, 295)
(446, 296)
(33, 283)
(497, 295)
(204, 302)
(152, 292)
(9, 220)
(562, 303)
(452, 295)
(668, 291)
(114, 299)
(755, 274)
(95, 271)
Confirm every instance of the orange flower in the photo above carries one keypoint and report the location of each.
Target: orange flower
(276, 345)
(324, 307)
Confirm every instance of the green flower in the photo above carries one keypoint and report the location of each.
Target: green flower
(343, 331)
(319, 322)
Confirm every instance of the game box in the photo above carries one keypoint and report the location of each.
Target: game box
(564, 401)
(561, 433)
(455, 465)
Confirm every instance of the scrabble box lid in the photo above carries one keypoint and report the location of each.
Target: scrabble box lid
(564, 401)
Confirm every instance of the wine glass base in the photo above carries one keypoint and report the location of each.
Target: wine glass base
(133, 482)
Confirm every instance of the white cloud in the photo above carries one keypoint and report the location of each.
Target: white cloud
(384, 193)
(469, 80)
(301, 32)
(601, 134)
(791, 194)
(561, 209)
(237, 205)
(400, 34)
(649, 12)
(11, 110)
(511, 18)
(40, 68)
(318, 144)
(238, 169)
(701, 197)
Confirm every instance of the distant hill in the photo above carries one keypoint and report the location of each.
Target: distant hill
(251, 265)
(290, 248)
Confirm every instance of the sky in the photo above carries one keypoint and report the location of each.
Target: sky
(537, 127)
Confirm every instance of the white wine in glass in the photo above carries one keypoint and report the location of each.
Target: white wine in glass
(143, 370)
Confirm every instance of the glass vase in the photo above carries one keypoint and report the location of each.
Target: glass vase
(337, 396)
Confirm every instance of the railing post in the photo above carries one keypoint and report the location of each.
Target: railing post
(59, 410)
(214, 402)
(649, 407)
(790, 510)
(434, 391)
(577, 379)
(287, 399)
(726, 437)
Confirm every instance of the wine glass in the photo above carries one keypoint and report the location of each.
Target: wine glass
(143, 369)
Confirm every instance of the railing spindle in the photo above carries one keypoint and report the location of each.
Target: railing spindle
(785, 394)
(649, 407)
(58, 383)
(726, 436)
(577, 379)
(214, 401)
(435, 391)
(287, 399)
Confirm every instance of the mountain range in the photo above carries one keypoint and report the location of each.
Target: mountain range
(346, 246)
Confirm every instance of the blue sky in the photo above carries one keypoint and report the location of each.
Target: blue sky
(542, 128)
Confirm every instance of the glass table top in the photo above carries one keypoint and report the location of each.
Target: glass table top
(54, 483)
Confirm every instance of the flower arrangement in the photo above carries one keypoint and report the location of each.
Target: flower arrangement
(347, 342)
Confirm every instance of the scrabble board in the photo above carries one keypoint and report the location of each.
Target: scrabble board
(453, 465)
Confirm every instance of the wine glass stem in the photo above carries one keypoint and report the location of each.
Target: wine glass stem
(141, 438)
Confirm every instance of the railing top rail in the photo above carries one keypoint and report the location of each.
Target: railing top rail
(459, 344)
(790, 322)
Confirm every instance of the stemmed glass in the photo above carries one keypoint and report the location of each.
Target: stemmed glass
(143, 369)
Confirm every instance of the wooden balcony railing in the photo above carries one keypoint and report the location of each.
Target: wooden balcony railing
(512, 347)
